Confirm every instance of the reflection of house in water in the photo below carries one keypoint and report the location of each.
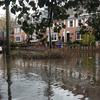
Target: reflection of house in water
(78, 77)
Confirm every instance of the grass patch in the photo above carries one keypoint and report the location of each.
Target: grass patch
(46, 54)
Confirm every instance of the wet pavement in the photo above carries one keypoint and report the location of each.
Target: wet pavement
(76, 77)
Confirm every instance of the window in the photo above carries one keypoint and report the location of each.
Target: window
(79, 22)
(78, 36)
(17, 39)
(17, 30)
(71, 23)
(54, 37)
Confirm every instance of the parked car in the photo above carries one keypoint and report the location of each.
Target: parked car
(0, 49)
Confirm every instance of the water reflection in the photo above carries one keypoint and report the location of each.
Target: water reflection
(41, 79)
(9, 77)
(6, 75)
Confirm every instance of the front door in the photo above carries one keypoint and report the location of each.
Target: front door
(68, 37)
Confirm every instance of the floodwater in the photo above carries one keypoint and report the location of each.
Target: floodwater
(77, 77)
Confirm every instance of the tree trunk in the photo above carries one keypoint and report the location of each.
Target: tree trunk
(7, 30)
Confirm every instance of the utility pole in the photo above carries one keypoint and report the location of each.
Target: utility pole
(7, 2)
(50, 15)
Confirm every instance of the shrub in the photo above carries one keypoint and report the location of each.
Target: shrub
(88, 39)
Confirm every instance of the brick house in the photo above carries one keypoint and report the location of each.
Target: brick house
(71, 32)
(73, 27)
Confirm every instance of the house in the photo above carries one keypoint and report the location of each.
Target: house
(73, 27)
(69, 33)
(19, 35)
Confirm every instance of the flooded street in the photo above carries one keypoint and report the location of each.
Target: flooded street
(76, 77)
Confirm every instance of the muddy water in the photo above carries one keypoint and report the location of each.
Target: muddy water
(76, 77)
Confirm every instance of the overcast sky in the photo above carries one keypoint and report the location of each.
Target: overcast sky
(2, 12)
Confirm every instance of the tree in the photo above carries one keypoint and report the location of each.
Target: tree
(92, 7)
(88, 39)
(30, 10)
(94, 22)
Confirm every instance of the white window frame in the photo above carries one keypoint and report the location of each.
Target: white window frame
(19, 39)
(17, 29)
(54, 37)
(69, 22)
(79, 36)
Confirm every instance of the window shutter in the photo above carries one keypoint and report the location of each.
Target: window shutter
(73, 22)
